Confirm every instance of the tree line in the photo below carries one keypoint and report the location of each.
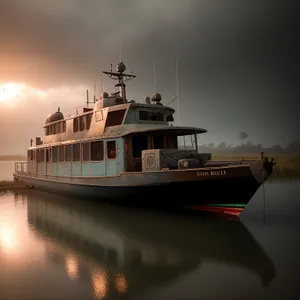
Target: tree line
(249, 148)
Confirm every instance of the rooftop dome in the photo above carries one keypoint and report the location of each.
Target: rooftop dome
(54, 117)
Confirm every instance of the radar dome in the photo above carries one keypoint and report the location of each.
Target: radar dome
(156, 97)
(121, 67)
(54, 117)
(105, 95)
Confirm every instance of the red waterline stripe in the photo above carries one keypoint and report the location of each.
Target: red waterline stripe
(223, 210)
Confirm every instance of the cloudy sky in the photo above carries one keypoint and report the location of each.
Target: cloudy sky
(237, 62)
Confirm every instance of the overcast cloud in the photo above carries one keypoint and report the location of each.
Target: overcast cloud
(237, 59)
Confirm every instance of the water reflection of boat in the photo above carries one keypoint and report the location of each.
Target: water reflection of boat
(137, 246)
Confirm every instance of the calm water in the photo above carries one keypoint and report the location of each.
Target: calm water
(52, 247)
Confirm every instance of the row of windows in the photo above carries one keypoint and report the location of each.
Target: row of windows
(145, 115)
(114, 118)
(82, 123)
(58, 127)
(79, 124)
(89, 151)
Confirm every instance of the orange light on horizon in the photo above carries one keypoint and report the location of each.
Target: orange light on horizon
(7, 238)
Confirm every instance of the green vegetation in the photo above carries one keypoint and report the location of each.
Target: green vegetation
(286, 165)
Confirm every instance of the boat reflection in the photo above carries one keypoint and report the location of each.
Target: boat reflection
(121, 250)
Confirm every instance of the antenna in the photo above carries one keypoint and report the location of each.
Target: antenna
(101, 83)
(177, 92)
(87, 99)
(120, 49)
(154, 74)
(177, 88)
(94, 91)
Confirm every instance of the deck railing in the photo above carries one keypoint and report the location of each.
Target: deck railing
(20, 166)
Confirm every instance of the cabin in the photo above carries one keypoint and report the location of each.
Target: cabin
(108, 139)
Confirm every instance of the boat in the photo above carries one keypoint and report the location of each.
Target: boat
(129, 153)
(97, 236)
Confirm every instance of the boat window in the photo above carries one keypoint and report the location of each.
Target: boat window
(59, 125)
(76, 152)
(82, 123)
(38, 156)
(30, 154)
(55, 154)
(145, 115)
(97, 152)
(86, 151)
(75, 125)
(115, 118)
(61, 151)
(111, 149)
(170, 118)
(158, 141)
(139, 143)
(42, 155)
(33, 154)
(64, 129)
(88, 121)
(68, 152)
(47, 130)
(172, 141)
(158, 116)
(48, 154)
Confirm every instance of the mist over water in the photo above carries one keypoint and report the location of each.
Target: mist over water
(53, 247)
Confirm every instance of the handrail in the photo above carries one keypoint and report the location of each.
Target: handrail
(20, 166)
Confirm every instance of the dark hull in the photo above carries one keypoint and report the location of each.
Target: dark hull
(172, 190)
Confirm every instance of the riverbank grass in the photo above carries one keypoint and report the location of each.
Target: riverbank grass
(286, 165)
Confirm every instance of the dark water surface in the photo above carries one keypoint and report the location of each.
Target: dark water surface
(52, 247)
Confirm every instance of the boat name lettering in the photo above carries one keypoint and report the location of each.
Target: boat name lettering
(212, 173)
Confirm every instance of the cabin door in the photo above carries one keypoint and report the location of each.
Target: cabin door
(139, 143)
(112, 153)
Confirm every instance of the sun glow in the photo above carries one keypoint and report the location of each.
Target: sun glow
(7, 238)
(10, 90)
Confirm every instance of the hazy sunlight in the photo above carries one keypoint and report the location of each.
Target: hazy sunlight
(7, 237)
(10, 90)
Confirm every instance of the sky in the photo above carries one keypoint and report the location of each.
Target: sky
(237, 63)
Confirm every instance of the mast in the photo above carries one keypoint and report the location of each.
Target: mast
(177, 88)
(154, 75)
(121, 77)
(94, 91)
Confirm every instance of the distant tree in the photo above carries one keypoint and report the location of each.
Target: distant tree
(222, 145)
